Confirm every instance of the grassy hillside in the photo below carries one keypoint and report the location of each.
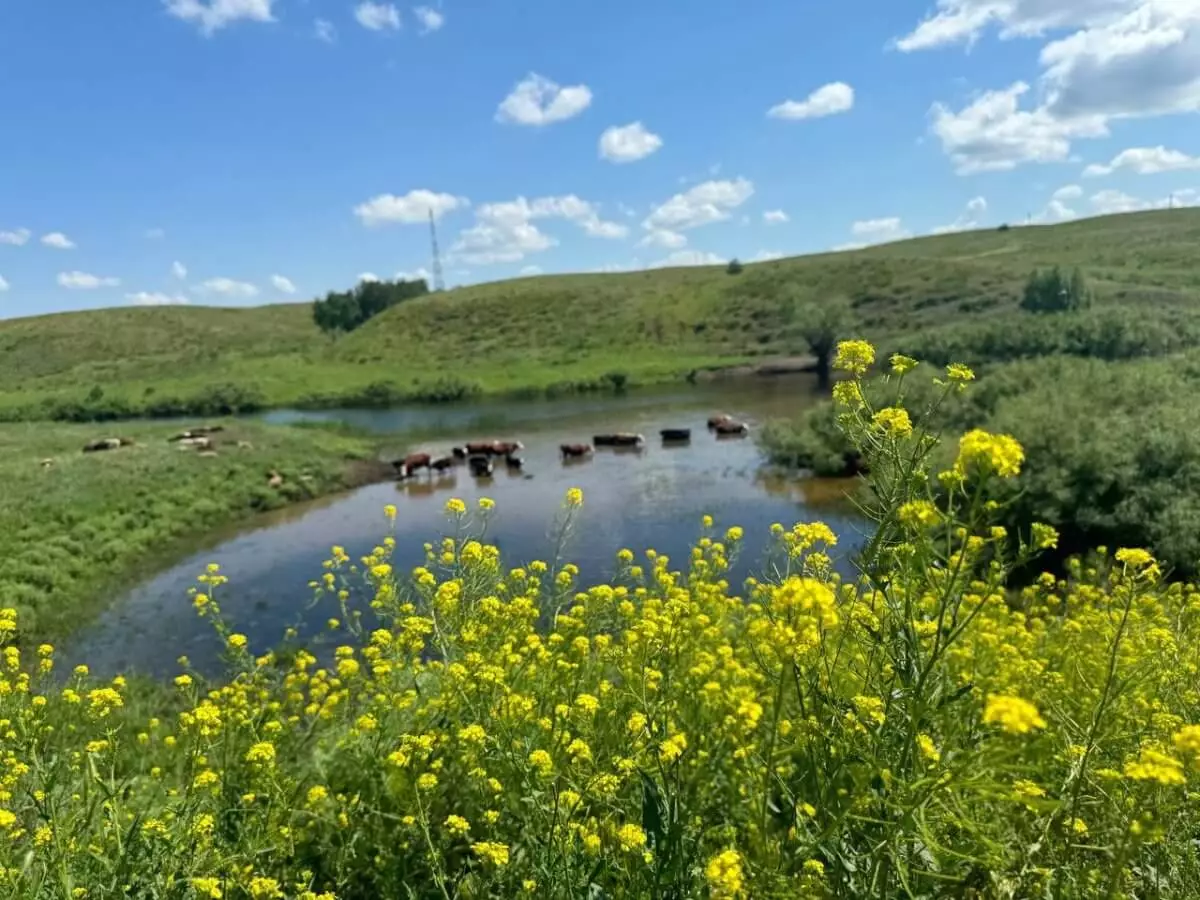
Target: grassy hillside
(569, 331)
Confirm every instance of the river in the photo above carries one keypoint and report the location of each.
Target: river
(652, 498)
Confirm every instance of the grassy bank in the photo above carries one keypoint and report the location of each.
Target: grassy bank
(570, 332)
(75, 531)
(919, 731)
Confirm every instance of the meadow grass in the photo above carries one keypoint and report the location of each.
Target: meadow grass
(918, 730)
(566, 332)
(74, 532)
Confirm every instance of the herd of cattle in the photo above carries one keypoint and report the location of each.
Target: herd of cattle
(481, 456)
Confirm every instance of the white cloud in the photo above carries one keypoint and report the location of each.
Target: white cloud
(413, 208)
(17, 238)
(84, 281)
(151, 298)
(416, 275)
(1145, 161)
(212, 15)
(1056, 211)
(662, 237)
(227, 287)
(531, 270)
(1068, 192)
(975, 209)
(1110, 201)
(504, 232)
(711, 201)
(687, 258)
(828, 100)
(962, 21)
(179, 270)
(283, 284)
(58, 241)
(155, 234)
(429, 18)
(852, 245)
(540, 101)
(878, 231)
(377, 16)
(325, 30)
(628, 143)
(766, 256)
(775, 217)
(993, 134)
(3, 284)
(367, 276)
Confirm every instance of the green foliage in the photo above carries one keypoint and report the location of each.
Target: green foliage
(347, 310)
(1051, 292)
(735, 267)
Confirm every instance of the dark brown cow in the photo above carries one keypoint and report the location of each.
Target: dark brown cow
(405, 467)
(459, 453)
(480, 448)
(481, 465)
(514, 463)
(620, 439)
(442, 463)
(574, 451)
(730, 427)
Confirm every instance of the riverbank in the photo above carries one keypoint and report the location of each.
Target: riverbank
(77, 528)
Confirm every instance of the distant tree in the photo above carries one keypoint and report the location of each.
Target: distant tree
(735, 267)
(1051, 292)
(343, 311)
(822, 324)
(1004, 227)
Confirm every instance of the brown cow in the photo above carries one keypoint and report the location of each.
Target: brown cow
(405, 467)
(574, 451)
(714, 421)
(480, 448)
(506, 448)
(730, 427)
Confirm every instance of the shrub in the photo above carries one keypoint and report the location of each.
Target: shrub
(491, 732)
(1051, 291)
(735, 267)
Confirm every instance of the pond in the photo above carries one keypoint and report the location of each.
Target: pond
(654, 497)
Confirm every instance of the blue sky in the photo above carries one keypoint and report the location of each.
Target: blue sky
(249, 151)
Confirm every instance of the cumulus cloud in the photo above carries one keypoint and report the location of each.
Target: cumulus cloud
(430, 19)
(970, 218)
(539, 101)
(505, 232)
(325, 31)
(17, 238)
(367, 277)
(410, 209)
(1145, 161)
(212, 15)
(687, 258)
(766, 256)
(283, 284)
(179, 270)
(3, 284)
(775, 217)
(628, 143)
(878, 231)
(152, 298)
(377, 16)
(827, 100)
(84, 281)
(1110, 201)
(1068, 192)
(662, 237)
(531, 270)
(1122, 59)
(58, 241)
(227, 287)
(415, 275)
(711, 201)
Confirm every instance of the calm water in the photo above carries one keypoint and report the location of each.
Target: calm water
(653, 498)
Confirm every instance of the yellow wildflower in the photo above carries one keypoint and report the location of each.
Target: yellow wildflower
(1012, 714)
(854, 357)
(893, 422)
(723, 873)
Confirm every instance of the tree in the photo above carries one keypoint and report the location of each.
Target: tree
(1050, 292)
(346, 310)
(822, 324)
(735, 267)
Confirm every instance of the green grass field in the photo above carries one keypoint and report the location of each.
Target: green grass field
(566, 332)
(74, 532)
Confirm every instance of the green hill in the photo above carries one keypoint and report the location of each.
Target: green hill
(569, 331)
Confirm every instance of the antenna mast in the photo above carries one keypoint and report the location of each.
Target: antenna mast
(438, 281)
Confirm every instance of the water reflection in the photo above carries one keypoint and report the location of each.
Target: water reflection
(652, 497)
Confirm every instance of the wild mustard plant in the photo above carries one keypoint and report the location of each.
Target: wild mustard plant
(922, 730)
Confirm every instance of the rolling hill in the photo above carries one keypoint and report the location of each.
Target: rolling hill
(570, 330)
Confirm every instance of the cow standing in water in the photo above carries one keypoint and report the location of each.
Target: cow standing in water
(442, 463)
(407, 466)
(730, 428)
(575, 451)
(481, 465)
